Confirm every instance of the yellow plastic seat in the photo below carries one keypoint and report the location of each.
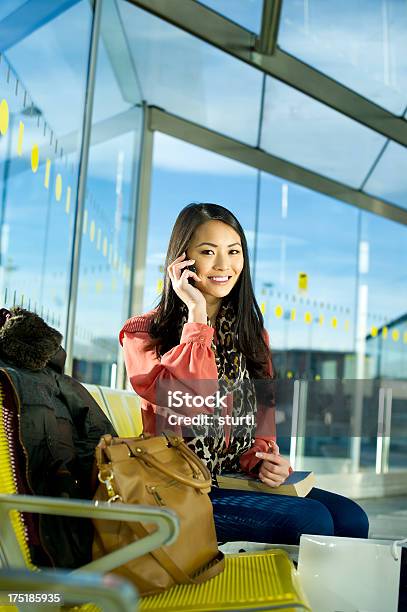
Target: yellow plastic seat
(124, 411)
(251, 581)
(96, 393)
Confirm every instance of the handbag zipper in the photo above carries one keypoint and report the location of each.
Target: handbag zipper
(153, 491)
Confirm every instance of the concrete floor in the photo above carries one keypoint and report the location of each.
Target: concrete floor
(387, 517)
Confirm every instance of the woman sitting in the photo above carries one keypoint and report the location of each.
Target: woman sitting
(207, 336)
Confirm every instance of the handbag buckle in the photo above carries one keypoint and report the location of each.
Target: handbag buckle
(173, 439)
(114, 498)
(106, 477)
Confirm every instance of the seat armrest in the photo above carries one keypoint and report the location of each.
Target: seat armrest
(110, 593)
(166, 521)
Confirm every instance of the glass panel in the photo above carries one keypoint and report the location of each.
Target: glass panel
(306, 279)
(383, 277)
(362, 44)
(389, 178)
(340, 425)
(38, 164)
(244, 12)
(310, 134)
(107, 241)
(193, 79)
(183, 173)
(9, 6)
(398, 442)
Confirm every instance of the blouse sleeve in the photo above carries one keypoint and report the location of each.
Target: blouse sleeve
(265, 429)
(189, 367)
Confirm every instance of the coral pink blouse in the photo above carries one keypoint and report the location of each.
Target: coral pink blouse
(191, 367)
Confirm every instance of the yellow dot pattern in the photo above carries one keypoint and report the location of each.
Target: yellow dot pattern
(4, 117)
(279, 311)
(395, 334)
(20, 139)
(35, 158)
(308, 318)
(47, 173)
(58, 187)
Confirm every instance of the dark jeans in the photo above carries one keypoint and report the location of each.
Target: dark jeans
(264, 517)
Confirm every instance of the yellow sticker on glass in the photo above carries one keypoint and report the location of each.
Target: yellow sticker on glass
(35, 158)
(4, 117)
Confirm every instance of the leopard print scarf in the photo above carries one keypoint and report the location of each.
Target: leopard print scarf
(210, 443)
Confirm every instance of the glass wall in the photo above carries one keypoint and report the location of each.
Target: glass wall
(244, 12)
(42, 92)
(362, 44)
(306, 279)
(302, 130)
(110, 206)
(329, 277)
(192, 79)
(386, 295)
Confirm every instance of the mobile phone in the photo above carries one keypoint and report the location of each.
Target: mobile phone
(191, 280)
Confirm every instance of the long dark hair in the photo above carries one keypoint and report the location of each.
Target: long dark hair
(249, 323)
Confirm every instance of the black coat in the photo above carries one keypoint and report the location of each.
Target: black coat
(60, 425)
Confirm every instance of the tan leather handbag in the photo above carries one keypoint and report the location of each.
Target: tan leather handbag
(158, 470)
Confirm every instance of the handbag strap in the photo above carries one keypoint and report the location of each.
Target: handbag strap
(148, 458)
(176, 573)
(142, 453)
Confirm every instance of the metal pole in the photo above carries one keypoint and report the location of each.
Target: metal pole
(270, 23)
(380, 432)
(83, 172)
(294, 424)
(302, 423)
(134, 201)
(141, 220)
(387, 430)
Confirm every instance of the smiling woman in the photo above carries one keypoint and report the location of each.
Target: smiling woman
(207, 337)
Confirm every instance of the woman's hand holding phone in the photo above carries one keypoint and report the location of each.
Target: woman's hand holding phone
(180, 276)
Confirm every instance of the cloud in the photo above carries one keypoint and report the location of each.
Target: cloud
(178, 156)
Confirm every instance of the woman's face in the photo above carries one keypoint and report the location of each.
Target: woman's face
(217, 250)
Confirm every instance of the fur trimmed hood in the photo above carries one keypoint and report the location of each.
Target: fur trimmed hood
(26, 340)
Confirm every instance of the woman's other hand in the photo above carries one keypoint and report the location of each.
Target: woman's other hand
(274, 469)
(190, 295)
